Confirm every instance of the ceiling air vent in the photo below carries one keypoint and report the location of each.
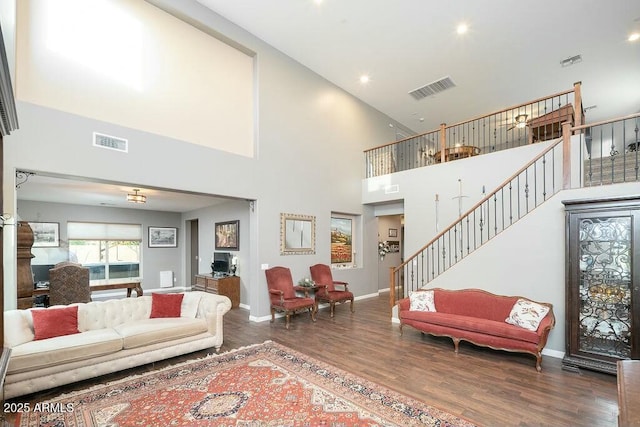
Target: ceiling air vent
(571, 60)
(111, 142)
(433, 88)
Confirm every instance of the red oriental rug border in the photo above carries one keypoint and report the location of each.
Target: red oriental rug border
(264, 384)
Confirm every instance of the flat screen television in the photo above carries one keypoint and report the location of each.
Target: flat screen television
(221, 264)
(41, 272)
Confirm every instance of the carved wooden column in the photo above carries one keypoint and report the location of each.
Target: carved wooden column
(25, 277)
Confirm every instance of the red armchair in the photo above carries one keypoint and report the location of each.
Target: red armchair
(283, 297)
(327, 292)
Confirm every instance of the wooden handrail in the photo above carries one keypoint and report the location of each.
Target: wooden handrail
(477, 205)
(441, 129)
(401, 140)
(605, 122)
(566, 92)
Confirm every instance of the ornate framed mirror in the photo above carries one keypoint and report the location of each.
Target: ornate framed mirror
(297, 234)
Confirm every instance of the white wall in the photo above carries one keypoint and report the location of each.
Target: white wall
(310, 139)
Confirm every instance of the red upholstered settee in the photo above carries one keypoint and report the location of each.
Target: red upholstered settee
(479, 317)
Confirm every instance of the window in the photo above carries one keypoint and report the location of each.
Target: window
(110, 251)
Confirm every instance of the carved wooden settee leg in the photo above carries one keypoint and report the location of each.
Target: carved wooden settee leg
(287, 317)
(273, 314)
(352, 310)
(313, 311)
(400, 329)
(332, 305)
(538, 361)
(456, 344)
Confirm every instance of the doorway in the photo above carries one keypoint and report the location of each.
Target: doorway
(193, 254)
(391, 232)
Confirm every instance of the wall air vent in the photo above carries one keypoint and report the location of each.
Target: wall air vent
(111, 142)
(433, 88)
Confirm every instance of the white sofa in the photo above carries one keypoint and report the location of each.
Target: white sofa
(114, 335)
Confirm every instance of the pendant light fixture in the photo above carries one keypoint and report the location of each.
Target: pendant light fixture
(136, 197)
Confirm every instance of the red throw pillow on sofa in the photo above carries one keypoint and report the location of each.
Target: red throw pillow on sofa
(55, 322)
(166, 305)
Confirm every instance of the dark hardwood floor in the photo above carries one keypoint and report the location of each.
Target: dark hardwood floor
(487, 387)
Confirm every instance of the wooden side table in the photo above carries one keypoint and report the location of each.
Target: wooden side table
(228, 286)
(306, 290)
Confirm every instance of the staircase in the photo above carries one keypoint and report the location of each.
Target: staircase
(532, 185)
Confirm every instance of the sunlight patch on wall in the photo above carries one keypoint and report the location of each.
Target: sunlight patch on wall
(130, 63)
(97, 35)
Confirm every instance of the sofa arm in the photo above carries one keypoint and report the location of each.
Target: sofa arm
(212, 308)
(545, 326)
(404, 304)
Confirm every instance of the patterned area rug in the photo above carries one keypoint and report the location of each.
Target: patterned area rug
(261, 385)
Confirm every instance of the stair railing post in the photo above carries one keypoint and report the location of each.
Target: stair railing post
(443, 142)
(392, 291)
(577, 99)
(566, 155)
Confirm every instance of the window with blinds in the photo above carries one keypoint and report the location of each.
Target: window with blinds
(110, 251)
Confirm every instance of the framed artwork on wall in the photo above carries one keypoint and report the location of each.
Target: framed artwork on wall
(163, 237)
(227, 235)
(341, 240)
(45, 234)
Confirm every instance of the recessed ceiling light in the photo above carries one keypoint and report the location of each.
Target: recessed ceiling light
(462, 28)
(364, 79)
(634, 37)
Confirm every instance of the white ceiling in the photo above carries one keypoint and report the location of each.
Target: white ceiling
(510, 55)
(76, 191)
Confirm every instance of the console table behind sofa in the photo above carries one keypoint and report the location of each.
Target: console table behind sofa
(129, 286)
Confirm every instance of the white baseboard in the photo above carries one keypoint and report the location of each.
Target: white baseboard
(553, 353)
(375, 295)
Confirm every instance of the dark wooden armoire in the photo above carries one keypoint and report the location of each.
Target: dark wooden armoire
(602, 283)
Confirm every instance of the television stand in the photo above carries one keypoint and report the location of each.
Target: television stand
(220, 275)
(226, 285)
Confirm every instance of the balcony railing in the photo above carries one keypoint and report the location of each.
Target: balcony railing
(610, 151)
(607, 153)
(538, 120)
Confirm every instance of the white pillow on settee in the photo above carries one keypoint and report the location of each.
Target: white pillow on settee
(422, 301)
(527, 314)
